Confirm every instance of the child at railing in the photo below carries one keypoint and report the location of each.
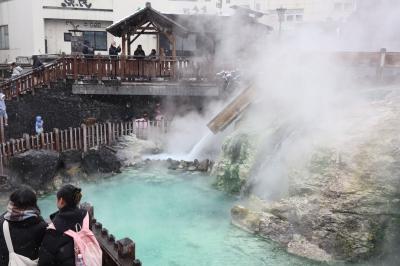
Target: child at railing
(39, 125)
(3, 111)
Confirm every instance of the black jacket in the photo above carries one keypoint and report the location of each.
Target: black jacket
(37, 65)
(139, 53)
(57, 248)
(26, 237)
(114, 51)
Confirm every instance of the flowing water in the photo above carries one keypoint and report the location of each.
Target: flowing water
(176, 219)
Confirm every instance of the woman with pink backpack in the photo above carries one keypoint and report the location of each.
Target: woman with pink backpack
(68, 240)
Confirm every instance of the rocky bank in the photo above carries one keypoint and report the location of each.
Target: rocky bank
(343, 205)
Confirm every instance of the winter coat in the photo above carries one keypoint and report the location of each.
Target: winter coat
(114, 51)
(37, 64)
(16, 71)
(88, 51)
(58, 249)
(26, 238)
(139, 53)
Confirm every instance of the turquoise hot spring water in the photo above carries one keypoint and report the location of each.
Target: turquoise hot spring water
(176, 219)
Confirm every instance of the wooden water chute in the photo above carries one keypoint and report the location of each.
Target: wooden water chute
(232, 111)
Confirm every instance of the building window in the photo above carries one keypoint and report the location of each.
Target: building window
(97, 39)
(67, 36)
(258, 6)
(4, 43)
(228, 1)
(289, 18)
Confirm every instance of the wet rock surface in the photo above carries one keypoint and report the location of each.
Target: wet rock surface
(34, 168)
(344, 205)
(102, 160)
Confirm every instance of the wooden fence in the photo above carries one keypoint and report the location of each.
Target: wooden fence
(82, 138)
(105, 67)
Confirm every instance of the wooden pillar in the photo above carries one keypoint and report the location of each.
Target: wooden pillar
(110, 133)
(27, 143)
(173, 42)
(123, 44)
(2, 140)
(84, 137)
(57, 139)
(128, 43)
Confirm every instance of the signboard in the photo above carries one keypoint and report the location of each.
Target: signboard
(76, 3)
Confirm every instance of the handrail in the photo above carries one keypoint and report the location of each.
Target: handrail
(81, 138)
(109, 67)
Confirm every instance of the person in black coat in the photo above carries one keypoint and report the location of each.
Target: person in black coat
(37, 64)
(87, 50)
(27, 227)
(58, 248)
(139, 52)
(114, 50)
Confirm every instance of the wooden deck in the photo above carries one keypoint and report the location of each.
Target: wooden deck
(172, 70)
(108, 68)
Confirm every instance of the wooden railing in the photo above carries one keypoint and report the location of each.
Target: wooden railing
(105, 67)
(82, 138)
(115, 253)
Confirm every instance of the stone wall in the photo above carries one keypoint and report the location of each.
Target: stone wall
(59, 108)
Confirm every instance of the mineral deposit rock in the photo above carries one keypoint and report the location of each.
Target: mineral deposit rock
(35, 168)
(102, 160)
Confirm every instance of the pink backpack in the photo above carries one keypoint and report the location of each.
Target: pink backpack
(85, 244)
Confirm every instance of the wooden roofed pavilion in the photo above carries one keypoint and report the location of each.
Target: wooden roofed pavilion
(146, 21)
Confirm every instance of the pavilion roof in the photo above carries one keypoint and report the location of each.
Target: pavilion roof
(148, 14)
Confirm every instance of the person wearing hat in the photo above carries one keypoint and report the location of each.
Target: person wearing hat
(3, 111)
(58, 248)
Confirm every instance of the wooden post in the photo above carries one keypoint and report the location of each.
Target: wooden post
(57, 139)
(26, 137)
(128, 43)
(381, 64)
(75, 67)
(2, 140)
(110, 133)
(12, 146)
(71, 137)
(84, 136)
(41, 140)
(123, 44)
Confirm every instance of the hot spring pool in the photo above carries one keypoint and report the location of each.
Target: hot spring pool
(176, 219)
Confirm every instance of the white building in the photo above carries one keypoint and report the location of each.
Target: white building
(29, 27)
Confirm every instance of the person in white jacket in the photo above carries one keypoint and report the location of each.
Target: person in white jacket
(16, 70)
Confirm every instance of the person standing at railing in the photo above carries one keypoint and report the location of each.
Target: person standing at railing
(113, 51)
(37, 64)
(3, 111)
(88, 50)
(153, 54)
(39, 125)
(139, 52)
(15, 72)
